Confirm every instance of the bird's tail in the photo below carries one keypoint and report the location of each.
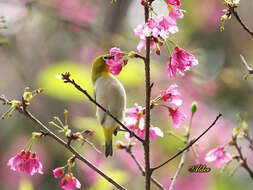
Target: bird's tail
(108, 140)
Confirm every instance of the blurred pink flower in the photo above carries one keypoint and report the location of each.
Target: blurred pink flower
(174, 2)
(174, 14)
(180, 61)
(58, 172)
(177, 117)
(116, 63)
(136, 122)
(69, 182)
(77, 11)
(25, 162)
(219, 156)
(172, 95)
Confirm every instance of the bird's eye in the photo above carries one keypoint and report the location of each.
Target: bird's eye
(105, 57)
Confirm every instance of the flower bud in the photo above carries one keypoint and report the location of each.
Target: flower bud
(194, 107)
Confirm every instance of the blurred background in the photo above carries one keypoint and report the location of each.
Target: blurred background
(43, 38)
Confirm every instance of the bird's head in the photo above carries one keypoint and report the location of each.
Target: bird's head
(99, 67)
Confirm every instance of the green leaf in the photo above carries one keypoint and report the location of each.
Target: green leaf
(57, 88)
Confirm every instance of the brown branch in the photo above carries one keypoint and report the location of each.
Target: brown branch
(244, 160)
(187, 147)
(234, 12)
(48, 132)
(129, 151)
(147, 111)
(78, 87)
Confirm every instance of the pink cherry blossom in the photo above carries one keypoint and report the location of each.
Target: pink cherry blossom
(172, 95)
(69, 182)
(136, 122)
(77, 11)
(25, 162)
(174, 2)
(116, 63)
(175, 13)
(177, 117)
(158, 29)
(180, 61)
(219, 156)
(58, 172)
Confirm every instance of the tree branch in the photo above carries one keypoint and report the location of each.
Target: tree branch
(250, 70)
(181, 164)
(244, 160)
(26, 113)
(234, 12)
(187, 147)
(147, 111)
(129, 151)
(78, 87)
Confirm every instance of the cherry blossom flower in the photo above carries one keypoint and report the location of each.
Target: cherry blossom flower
(180, 61)
(158, 29)
(117, 62)
(175, 13)
(177, 117)
(172, 95)
(219, 156)
(174, 2)
(58, 172)
(136, 122)
(25, 162)
(69, 182)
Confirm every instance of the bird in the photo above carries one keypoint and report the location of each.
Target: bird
(109, 93)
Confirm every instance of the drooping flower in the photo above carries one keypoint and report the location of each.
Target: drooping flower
(180, 61)
(58, 172)
(175, 13)
(219, 156)
(26, 162)
(136, 122)
(69, 182)
(177, 117)
(174, 2)
(172, 95)
(117, 62)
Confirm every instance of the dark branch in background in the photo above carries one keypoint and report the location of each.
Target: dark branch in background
(234, 12)
(148, 170)
(187, 147)
(128, 149)
(244, 163)
(78, 87)
(48, 132)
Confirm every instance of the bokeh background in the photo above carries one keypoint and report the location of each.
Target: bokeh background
(47, 37)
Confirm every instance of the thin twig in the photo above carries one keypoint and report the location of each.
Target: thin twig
(78, 87)
(129, 151)
(147, 111)
(187, 147)
(70, 148)
(181, 164)
(234, 12)
(250, 70)
(244, 160)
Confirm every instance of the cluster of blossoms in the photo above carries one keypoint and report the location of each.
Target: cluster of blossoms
(26, 162)
(68, 182)
(219, 156)
(173, 97)
(158, 29)
(136, 122)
